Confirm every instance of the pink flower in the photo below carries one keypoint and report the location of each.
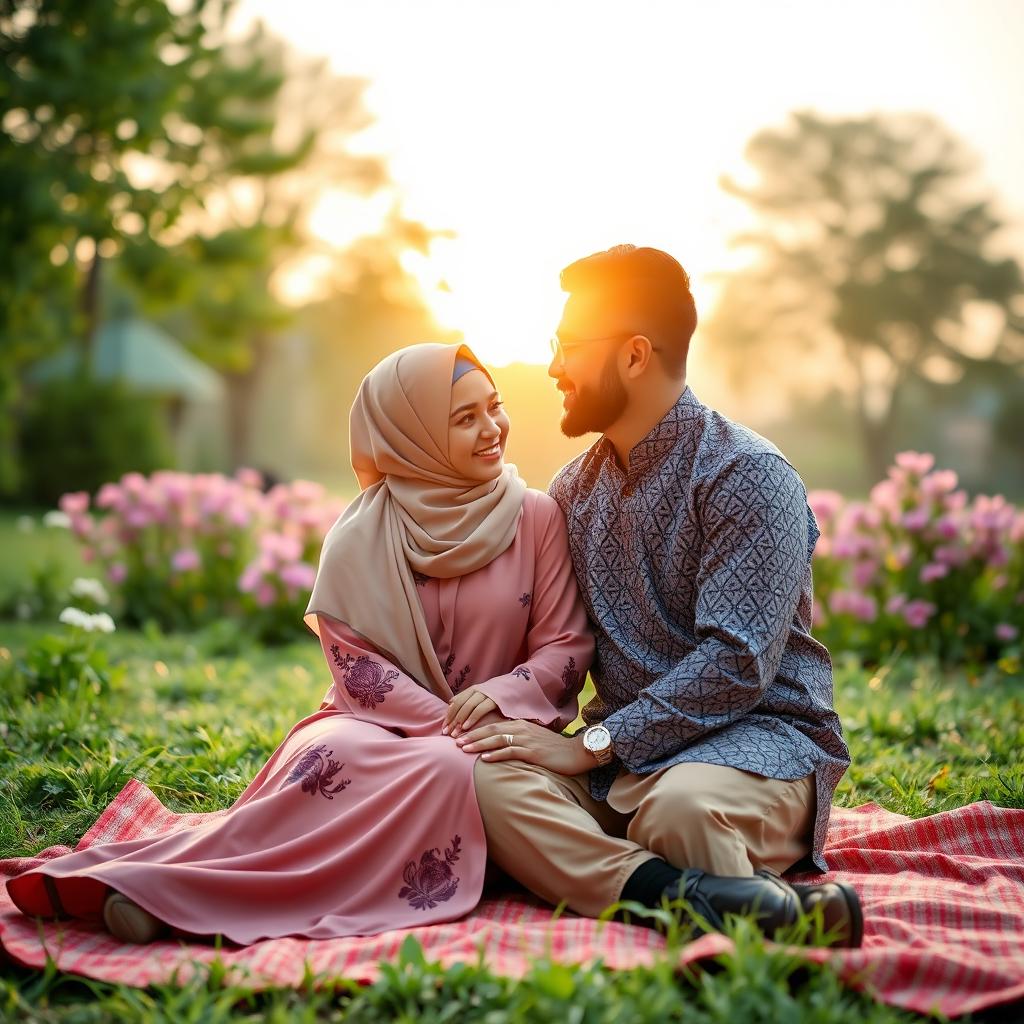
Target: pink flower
(265, 595)
(933, 571)
(947, 527)
(137, 517)
(942, 481)
(88, 554)
(896, 603)
(134, 483)
(916, 519)
(1006, 632)
(185, 560)
(885, 496)
(825, 505)
(248, 477)
(238, 516)
(250, 579)
(299, 574)
(916, 463)
(117, 572)
(863, 573)
(74, 503)
(109, 496)
(949, 555)
(917, 613)
(852, 602)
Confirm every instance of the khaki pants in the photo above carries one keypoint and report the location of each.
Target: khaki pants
(552, 836)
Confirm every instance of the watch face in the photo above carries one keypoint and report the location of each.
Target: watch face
(597, 738)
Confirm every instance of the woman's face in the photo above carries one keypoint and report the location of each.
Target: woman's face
(477, 428)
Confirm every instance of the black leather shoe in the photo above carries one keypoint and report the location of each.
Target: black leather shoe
(840, 909)
(771, 901)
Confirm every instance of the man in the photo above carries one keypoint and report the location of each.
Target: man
(712, 750)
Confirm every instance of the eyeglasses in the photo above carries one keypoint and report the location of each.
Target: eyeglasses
(559, 347)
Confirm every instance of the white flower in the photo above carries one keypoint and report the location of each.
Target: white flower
(76, 617)
(57, 518)
(87, 587)
(26, 524)
(102, 622)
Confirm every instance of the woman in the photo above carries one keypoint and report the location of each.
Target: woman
(444, 598)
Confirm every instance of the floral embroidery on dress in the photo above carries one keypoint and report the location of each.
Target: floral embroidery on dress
(570, 676)
(365, 680)
(431, 881)
(316, 769)
(522, 671)
(525, 599)
(456, 683)
(421, 578)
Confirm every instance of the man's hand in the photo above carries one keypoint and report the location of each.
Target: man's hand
(531, 743)
(466, 710)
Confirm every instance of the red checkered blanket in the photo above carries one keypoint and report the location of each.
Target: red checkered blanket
(943, 901)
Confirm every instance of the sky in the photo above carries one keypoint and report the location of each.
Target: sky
(539, 132)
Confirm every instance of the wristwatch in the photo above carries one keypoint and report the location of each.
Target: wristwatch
(598, 740)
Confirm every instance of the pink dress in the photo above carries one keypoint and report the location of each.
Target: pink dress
(365, 818)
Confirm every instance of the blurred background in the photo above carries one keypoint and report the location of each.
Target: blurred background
(215, 217)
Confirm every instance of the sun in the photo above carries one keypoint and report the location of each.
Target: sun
(505, 302)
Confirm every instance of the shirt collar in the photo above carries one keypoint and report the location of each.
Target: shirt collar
(683, 421)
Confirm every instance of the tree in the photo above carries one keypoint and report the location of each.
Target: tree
(873, 249)
(137, 139)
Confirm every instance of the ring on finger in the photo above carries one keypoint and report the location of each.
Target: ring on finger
(509, 739)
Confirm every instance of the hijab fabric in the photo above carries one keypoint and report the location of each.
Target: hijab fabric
(415, 513)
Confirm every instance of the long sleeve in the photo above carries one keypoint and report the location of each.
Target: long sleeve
(753, 561)
(373, 688)
(545, 687)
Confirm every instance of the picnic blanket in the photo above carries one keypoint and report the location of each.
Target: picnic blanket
(943, 901)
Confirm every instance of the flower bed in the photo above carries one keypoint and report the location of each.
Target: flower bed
(187, 549)
(919, 567)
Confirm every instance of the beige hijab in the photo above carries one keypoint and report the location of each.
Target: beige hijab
(415, 513)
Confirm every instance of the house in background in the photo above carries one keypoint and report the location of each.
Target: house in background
(153, 363)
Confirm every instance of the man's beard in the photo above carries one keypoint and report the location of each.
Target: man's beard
(596, 410)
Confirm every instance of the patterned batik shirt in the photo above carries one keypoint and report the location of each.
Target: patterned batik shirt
(695, 569)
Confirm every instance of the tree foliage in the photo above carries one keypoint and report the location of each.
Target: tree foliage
(872, 259)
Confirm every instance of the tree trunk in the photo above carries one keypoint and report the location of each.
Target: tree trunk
(241, 400)
(90, 307)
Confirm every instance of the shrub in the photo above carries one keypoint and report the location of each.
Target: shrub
(185, 550)
(920, 568)
(76, 434)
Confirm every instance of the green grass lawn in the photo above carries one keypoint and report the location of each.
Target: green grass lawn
(194, 717)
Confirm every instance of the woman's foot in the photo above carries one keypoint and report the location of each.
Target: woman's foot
(127, 921)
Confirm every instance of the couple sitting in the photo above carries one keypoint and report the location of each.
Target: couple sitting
(458, 609)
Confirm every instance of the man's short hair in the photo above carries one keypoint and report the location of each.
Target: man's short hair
(644, 287)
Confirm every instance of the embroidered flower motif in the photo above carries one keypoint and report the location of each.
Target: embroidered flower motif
(432, 881)
(522, 671)
(421, 579)
(456, 683)
(316, 769)
(365, 680)
(525, 599)
(570, 676)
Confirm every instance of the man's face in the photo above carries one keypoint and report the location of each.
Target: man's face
(586, 370)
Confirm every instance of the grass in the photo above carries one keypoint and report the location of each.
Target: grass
(194, 719)
(195, 716)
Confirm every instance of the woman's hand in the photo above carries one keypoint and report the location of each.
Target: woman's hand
(530, 742)
(466, 710)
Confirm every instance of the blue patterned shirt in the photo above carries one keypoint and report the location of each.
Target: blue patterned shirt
(695, 569)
